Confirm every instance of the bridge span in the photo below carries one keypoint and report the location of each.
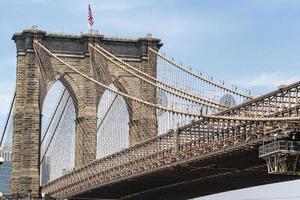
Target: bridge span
(230, 170)
(189, 161)
(181, 135)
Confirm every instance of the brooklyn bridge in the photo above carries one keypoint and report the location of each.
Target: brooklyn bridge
(129, 122)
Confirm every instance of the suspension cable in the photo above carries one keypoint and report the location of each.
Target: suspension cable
(161, 107)
(201, 77)
(168, 89)
(49, 125)
(106, 113)
(51, 139)
(112, 90)
(8, 116)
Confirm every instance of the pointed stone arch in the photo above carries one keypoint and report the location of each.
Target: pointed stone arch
(112, 123)
(58, 156)
(141, 128)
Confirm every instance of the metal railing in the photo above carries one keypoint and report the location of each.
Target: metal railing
(281, 146)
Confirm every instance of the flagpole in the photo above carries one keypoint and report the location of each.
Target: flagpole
(88, 24)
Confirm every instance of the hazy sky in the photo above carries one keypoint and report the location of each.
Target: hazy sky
(252, 43)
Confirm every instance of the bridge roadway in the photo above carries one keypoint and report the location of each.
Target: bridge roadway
(220, 173)
(202, 158)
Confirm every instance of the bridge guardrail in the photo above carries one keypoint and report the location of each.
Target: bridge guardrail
(280, 146)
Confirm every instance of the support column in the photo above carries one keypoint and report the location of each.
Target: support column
(18, 126)
(25, 163)
(86, 137)
(86, 123)
(143, 122)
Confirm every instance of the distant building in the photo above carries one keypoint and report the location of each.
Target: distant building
(5, 170)
(45, 175)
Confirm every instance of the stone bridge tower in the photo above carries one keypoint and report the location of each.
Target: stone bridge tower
(30, 93)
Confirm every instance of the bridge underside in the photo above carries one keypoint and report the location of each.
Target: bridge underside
(195, 178)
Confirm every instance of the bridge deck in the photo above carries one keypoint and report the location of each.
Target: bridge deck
(188, 171)
(239, 169)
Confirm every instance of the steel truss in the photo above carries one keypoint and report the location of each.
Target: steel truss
(282, 157)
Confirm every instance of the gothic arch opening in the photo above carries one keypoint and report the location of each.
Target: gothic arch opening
(112, 124)
(57, 152)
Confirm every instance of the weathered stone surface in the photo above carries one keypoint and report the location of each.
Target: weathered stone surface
(31, 92)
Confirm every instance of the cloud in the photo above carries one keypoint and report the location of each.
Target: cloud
(268, 80)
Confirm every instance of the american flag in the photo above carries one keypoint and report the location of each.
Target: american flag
(90, 17)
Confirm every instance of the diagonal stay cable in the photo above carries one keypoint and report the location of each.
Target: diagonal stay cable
(8, 116)
(112, 90)
(56, 127)
(168, 88)
(109, 108)
(161, 107)
(53, 115)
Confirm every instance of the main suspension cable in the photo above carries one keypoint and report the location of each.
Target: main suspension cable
(161, 107)
(201, 77)
(182, 94)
